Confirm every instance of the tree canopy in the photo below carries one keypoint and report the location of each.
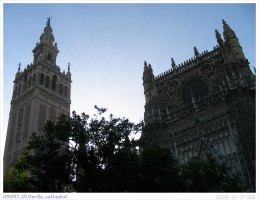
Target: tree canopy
(98, 154)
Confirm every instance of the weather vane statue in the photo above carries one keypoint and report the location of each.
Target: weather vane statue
(48, 22)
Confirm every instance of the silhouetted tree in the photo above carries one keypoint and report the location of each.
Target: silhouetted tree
(84, 154)
(158, 171)
(103, 152)
(206, 175)
(47, 164)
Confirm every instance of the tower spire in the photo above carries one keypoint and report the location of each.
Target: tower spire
(221, 45)
(47, 36)
(68, 66)
(150, 90)
(145, 63)
(232, 42)
(196, 53)
(48, 22)
(173, 63)
(228, 33)
(46, 49)
(219, 39)
(19, 66)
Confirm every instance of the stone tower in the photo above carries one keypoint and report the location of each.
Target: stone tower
(205, 105)
(149, 82)
(41, 92)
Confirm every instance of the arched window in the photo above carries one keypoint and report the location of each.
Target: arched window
(25, 83)
(65, 91)
(15, 92)
(54, 82)
(29, 84)
(195, 89)
(49, 57)
(41, 78)
(47, 82)
(33, 79)
(61, 89)
(19, 89)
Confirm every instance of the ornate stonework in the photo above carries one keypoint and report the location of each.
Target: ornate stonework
(41, 92)
(206, 104)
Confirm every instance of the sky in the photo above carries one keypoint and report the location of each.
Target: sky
(107, 45)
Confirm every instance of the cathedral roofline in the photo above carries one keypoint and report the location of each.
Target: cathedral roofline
(188, 64)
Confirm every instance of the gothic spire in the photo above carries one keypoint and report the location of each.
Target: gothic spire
(68, 66)
(145, 63)
(149, 82)
(219, 39)
(68, 69)
(196, 53)
(173, 63)
(147, 67)
(228, 33)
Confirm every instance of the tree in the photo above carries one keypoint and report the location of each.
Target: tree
(84, 154)
(102, 151)
(158, 171)
(16, 178)
(206, 175)
(47, 165)
(79, 153)
(51, 166)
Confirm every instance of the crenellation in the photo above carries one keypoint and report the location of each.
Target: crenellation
(194, 61)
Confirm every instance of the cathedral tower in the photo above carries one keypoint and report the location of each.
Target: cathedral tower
(41, 92)
(232, 42)
(149, 82)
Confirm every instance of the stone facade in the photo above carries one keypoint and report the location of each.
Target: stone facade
(206, 104)
(41, 92)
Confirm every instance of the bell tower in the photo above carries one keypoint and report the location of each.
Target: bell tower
(41, 92)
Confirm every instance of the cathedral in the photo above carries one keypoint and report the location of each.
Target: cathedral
(41, 92)
(203, 105)
(206, 105)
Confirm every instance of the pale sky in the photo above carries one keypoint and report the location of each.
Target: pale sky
(108, 43)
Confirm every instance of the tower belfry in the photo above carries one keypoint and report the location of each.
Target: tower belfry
(41, 92)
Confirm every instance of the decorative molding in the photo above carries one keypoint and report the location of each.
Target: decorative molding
(23, 99)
